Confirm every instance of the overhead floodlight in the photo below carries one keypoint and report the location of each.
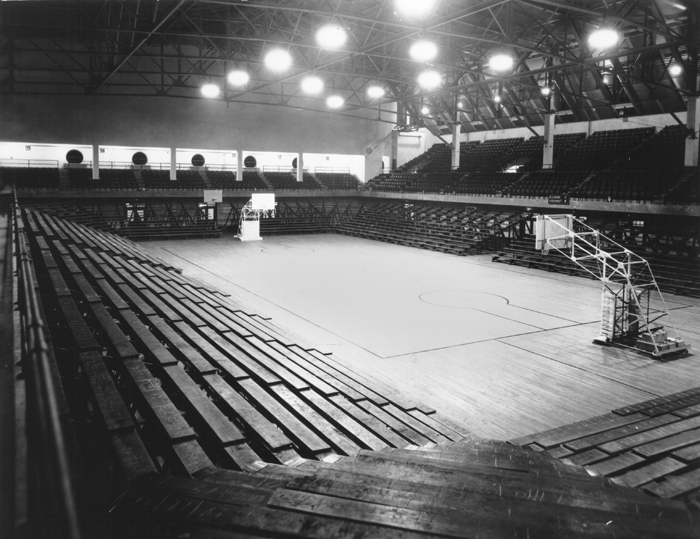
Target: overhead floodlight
(375, 92)
(423, 51)
(335, 102)
(675, 70)
(312, 85)
(425, 111)
(546, 91)
(414, 8)
(497, 98)
(429, 79)
(210, 90)
(603, 38)
(278, 60)
(331, 36)
(501, 62)
(460, 105)
(238, 77)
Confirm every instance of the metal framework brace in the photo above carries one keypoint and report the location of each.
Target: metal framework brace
(632, 304)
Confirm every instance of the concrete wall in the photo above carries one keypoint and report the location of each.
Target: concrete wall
(165, 122)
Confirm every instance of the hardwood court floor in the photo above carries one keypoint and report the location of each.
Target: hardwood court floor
(503, 349)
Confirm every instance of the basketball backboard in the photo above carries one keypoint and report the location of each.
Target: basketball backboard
(552, 231)
(263, 201)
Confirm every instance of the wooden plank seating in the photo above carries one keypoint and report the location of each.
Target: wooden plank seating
(129, 448)
(652, 445)
(181, 380)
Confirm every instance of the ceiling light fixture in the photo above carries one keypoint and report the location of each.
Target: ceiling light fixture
(375, 92)
(210, 90)
(278, 60)
(603, 38)
(238, 78)
(335, 102)
(546, 91)
(675, 70)
(331, 36)
(429, 79)
(312, 85)
(497, 99)
(501, 62)
(425, 111)
(423, 51)
(415, 8)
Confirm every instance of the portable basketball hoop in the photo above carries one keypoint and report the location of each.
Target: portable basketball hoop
(260, 205)
(632, 303)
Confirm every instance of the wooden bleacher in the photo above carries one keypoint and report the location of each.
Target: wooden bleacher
(653, 445)
(676, 272)
(451, 230)
(219, 424)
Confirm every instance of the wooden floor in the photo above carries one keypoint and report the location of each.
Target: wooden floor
(505, 350)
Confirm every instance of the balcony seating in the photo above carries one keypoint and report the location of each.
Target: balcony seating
(484, 183)
(664, 151)
(546, 183)
(603, 148)
(288, 180)
(490, 155)
(339, 180)
(625, 185)
(31, 178)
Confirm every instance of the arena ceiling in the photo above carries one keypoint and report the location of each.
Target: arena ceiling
(171, 48)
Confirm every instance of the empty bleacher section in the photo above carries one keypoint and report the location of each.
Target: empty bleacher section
(670, 244)
(339, 180)
(112, 179)
(603, 148)
(189, 179)
(528, 154)
(224, 179)
(625, 185)
(484, 183)
(546, 183)
(687, 190)
(288, 180)
(140, 220)
(396, 181)
(664, 151)
(300, 217)
(30, 178)
(193, 417)
(490, 155)
(433, 182)
(157, 179)
(653, 445)
(456, 230)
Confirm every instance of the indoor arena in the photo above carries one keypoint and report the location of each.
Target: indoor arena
(350, 269)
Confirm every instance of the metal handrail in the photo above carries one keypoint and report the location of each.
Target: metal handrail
(52, 509)
(43, 163)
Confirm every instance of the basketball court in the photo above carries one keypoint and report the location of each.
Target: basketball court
(503, 349)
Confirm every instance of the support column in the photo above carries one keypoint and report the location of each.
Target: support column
(300, 167)
(456, 130)
(95, 161)
(692, 146)
(548, 155)
(394, 150)
(239, 166)
(173, 163)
